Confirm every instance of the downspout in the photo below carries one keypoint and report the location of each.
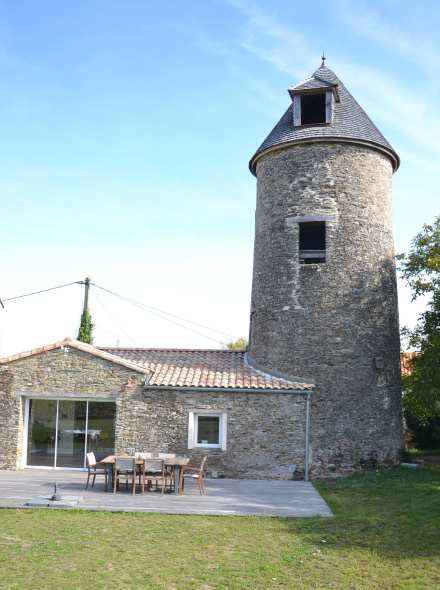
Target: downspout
(306, 458)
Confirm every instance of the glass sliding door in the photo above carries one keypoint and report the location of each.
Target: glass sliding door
(101, 429)
(71, 433)
(61, 432)
(42, 432)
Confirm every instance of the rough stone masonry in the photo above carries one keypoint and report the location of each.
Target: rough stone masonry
(335, 323)
(265, 436)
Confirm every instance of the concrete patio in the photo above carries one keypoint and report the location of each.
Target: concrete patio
(224, 496)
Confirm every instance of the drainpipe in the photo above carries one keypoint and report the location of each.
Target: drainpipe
(306, 459)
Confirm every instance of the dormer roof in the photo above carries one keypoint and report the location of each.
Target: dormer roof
(350, 123)
(313, 83)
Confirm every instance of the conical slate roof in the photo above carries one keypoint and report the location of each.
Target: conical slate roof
(349, 123)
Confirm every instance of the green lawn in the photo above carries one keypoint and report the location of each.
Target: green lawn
(386, 534)
(422, 453)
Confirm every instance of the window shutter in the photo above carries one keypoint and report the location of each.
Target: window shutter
(223, 425)
(191, 430)
(328, 107)
(296, 110)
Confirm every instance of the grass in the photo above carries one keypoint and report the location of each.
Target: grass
(385, 534)
(422, 453)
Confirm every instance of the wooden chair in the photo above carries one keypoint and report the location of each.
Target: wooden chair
(94, 469)
(154, 470)
(169, 468)
(195, 473)
(124, 468)
(166, 455)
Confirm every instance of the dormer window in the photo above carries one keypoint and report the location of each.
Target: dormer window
(312, 108)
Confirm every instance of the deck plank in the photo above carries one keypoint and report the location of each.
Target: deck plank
(224, 496)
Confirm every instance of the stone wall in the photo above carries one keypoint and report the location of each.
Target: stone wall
(10, 422)
(265, 431)
(55, 373)
(335, 323)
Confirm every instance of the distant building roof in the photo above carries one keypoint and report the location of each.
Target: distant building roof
(209, 369)
(350, 122)
(406, 359)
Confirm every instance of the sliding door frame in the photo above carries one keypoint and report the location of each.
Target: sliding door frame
(58, 399)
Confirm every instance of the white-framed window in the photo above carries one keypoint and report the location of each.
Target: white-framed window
(207, 429)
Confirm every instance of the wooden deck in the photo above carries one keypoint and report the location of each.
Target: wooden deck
(224, 496)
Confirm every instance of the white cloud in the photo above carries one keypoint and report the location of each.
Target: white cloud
(391, 102)
(398, 106)
(284, 48)
(373, 26)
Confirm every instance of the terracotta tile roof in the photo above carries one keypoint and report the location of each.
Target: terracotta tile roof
(70, 343)
(405, 362)
(203, 368)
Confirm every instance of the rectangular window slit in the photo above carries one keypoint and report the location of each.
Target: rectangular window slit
(312, 242)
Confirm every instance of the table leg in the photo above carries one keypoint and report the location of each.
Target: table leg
(177, 479)
(109, 467)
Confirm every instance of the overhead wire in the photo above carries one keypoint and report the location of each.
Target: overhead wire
(43, 291)
(109, 314)
(162, 311)
(163, 315)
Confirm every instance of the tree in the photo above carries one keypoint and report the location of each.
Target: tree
(239, 344)
(421, 400)
(85, 332)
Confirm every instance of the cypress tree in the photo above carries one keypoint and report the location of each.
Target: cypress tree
(85, 332)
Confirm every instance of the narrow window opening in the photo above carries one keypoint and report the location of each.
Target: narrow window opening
(312, 242)
(313, 109)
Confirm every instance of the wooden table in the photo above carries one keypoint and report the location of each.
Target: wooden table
(176, 462)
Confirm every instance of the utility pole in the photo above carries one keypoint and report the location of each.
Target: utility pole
(86, 294)
(85, 333)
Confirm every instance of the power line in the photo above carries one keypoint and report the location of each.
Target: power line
(109, 314)
(143, 307)
(163, 315)
(162, 311)
(44, 290)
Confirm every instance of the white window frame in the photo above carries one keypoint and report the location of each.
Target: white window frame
(193, 429)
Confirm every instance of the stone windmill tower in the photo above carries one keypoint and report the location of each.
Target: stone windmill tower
(324, 301)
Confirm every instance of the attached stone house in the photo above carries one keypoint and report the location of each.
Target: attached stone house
(319, 386)
(61, 400)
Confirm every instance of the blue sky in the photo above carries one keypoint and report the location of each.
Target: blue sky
(126, 132)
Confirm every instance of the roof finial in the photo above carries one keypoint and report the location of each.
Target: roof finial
(323, 59)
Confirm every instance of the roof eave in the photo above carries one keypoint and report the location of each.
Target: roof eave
(330, 139)
(77, 345)
(304, 390)
(317, 90)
